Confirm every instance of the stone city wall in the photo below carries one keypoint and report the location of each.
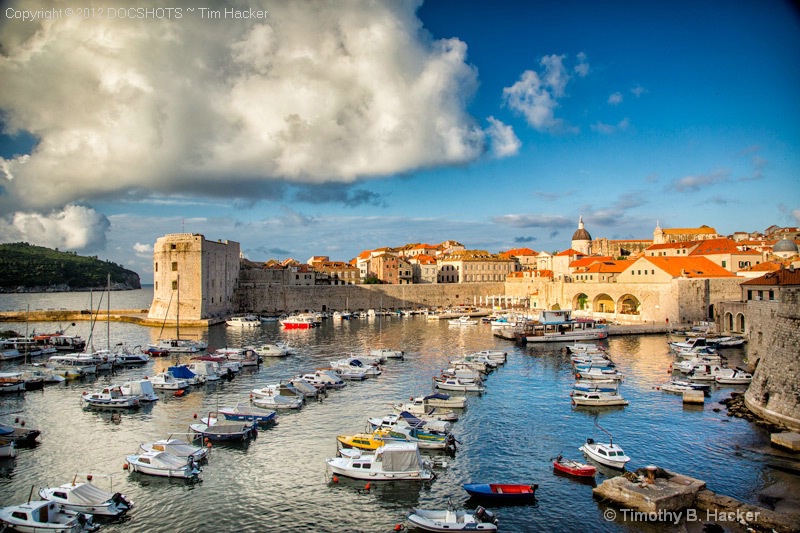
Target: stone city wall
(255, 294)
(774, 393)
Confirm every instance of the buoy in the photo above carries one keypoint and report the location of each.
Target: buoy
(16, 420)
(398, 527)
(208, 445)
(22, 423)
(367, 486)
(335, 479)
(195, 415)
(208, 441)
(125, 466)
(88, 477)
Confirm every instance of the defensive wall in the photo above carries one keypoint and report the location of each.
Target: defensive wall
(255, 294)
(774, 347)
(682, 301)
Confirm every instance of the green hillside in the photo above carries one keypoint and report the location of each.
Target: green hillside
(24, 268)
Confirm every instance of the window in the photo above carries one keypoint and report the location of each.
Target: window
(175, 285)
(724, 264)
(156, 266)
(174, 266)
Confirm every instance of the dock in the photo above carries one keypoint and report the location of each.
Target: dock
(131, 316)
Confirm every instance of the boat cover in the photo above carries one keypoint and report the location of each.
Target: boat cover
(437, 396)
(86, 494)
(401, 457)
(181, 372)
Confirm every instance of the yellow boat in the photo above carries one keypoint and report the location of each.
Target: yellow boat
(367, 441)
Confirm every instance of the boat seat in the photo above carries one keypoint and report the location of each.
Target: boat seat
(499, 490)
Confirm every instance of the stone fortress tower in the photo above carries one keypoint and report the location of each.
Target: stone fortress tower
(197, 274)
(581, 240)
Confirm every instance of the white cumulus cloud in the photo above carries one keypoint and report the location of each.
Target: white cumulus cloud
(75, 228)
(536, 94)
(615, 98)
(316, 92)
(143, 250)
(504, 142)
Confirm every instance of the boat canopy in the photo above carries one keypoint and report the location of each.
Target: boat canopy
(181, 372)
(437, 396)
(400, 457)
(87, 494)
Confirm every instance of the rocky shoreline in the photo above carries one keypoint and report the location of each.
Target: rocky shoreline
(737, 408)
(63, 287)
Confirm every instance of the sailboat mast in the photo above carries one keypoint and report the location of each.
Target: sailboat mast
(178, 311)
(108, 314)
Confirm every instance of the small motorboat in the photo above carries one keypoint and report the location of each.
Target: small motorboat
(457, 384)
(87, 498)
(392, 461)
(608, 454)
(247, 413)
(214, 429)
(496, 493)
(40, 516)
(7, 448)
(733, 376)
(176, 447)
(162, 464)
(387, 353)
(22, 437)
(453, 520)
(110, 397)
(573, 468)
(597, 399)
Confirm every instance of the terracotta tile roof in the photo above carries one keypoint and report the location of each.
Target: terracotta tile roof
(588, 260)
(784, 276)
(569, 252)
(702, 230)
(608, 267)
(766, 266)
(690, 267)
(715, 246)
(518, 251)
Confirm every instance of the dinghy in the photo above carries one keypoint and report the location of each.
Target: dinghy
(453, 520)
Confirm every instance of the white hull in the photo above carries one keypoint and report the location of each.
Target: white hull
(569, 336)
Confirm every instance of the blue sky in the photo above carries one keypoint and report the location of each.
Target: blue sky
(328, 129)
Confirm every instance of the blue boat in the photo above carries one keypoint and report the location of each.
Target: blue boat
(500, 493)
(214, 429)
(248, 413)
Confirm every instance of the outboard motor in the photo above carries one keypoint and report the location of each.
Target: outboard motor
(485, 516)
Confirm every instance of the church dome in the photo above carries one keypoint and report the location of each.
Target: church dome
(581, 234)
(783, 245)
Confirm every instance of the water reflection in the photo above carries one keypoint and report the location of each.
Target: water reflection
(510, 434)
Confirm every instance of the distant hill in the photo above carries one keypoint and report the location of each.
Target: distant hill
(27, 268)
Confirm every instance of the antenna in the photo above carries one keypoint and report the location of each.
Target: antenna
(610, 438)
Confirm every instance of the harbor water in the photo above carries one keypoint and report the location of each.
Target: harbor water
(278, 481)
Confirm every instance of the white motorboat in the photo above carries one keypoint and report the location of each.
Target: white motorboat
(354, 363)
(457, 384)
(387, 353)
(733, 376)
(11, 382)
(246, 321)
(498, 356)
(392, 461)
(441, 399)
(681, 386)
(597, 399)
(142, 389)
(305, 388)
(87, 498)
(244, 356)
(599, 374)
(451, 519)
(166, 381)
(271, 350)
(179, 346)
(420, 407)
(462, 321)
(324, 378)
(431, 425)
(40, 516)
(277, 389)
(278, 402)
(705, 372)
(558, 326)
(585, 348)
(163, 464)
(179, 448)
(207, 370)
(608, 454)
(689, 365)
(110, 397)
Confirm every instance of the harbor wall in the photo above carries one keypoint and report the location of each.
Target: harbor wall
(774, 347)
(256, 294)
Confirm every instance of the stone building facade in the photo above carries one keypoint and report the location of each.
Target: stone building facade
(193, 278)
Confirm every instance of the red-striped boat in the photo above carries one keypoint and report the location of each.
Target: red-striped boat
(573, 468)
(502, 492)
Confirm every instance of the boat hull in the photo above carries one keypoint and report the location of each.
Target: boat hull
(500, 493)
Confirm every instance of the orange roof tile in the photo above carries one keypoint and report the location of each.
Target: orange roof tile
(702, 230)
(569, 252)
(690, 267)
(671, 245)
(589, 259)
(715, 246)
(608, 267)
(779, 277)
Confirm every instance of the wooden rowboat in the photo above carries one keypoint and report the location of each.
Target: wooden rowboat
(573, 468)
(502, 492)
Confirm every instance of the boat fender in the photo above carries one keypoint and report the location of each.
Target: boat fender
(589, 441)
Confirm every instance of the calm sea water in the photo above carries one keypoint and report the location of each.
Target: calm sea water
(278, 482)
